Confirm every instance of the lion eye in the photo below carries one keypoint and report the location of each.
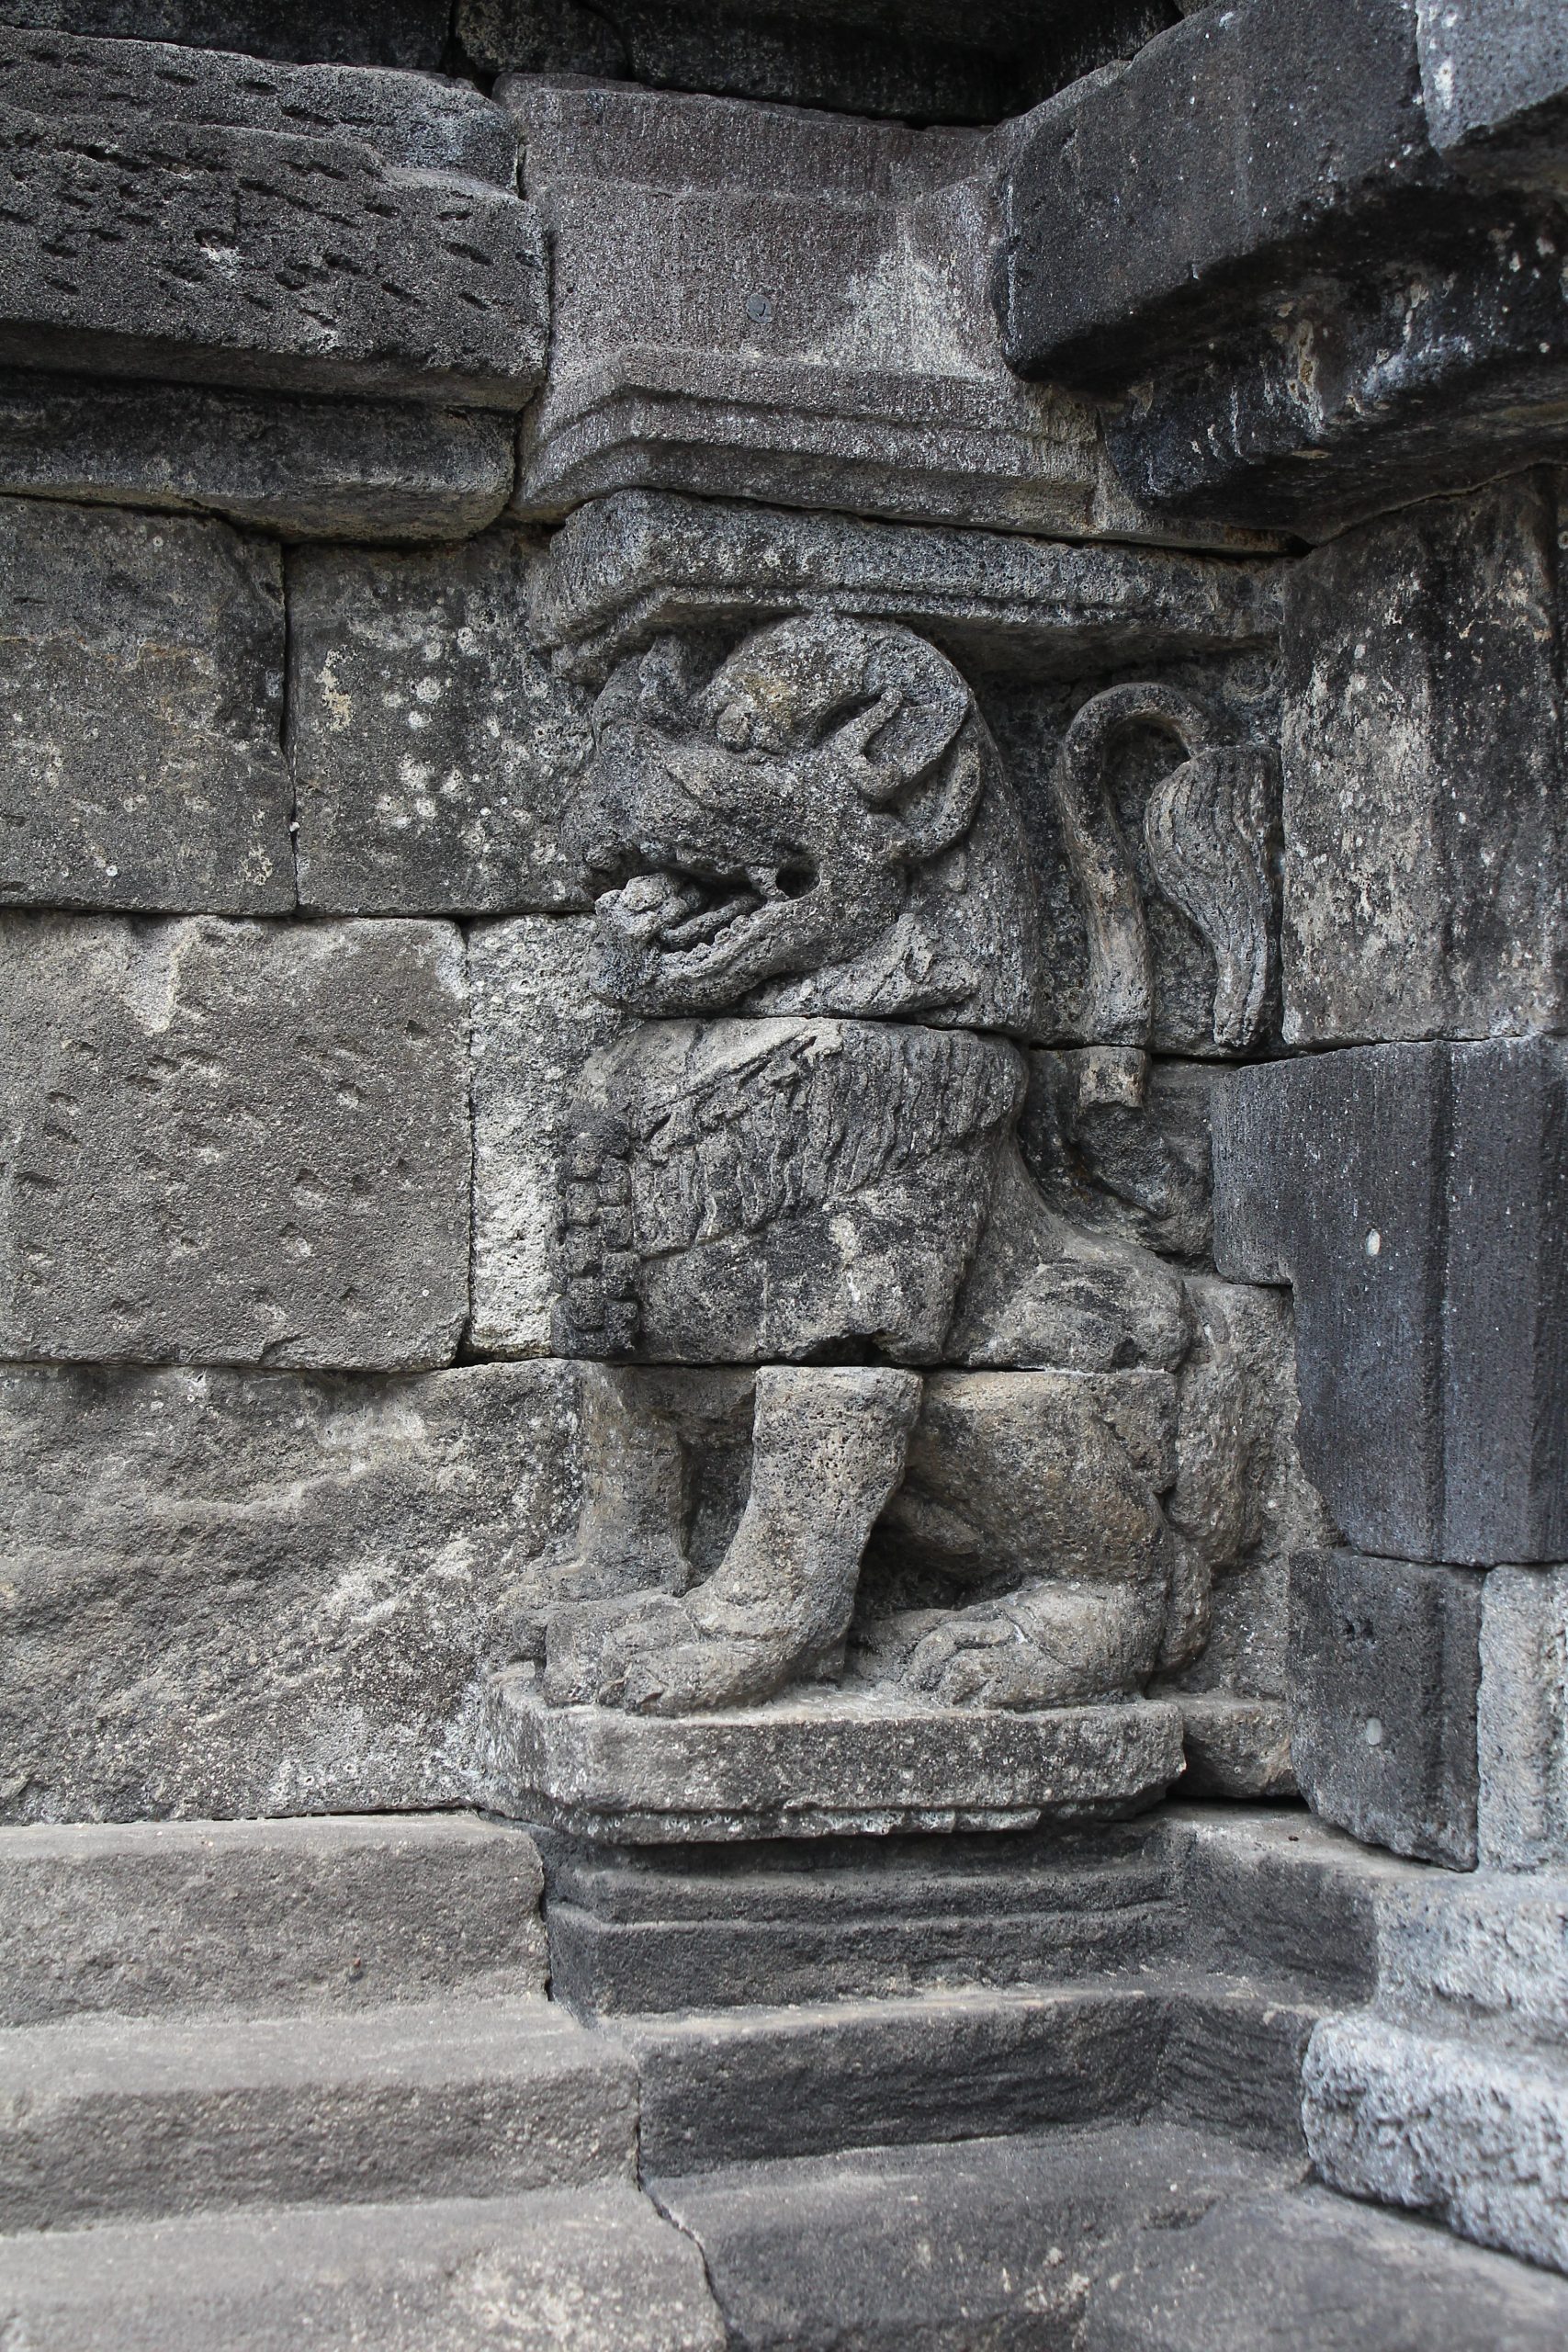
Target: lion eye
(734, 726)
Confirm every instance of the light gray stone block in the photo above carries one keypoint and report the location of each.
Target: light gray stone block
(305, 469)
(1522, 1719)
(233, 1142)
(142, 707)
(108, 2116)
(717, 327)
(815, 1763)
(593, 2268)
(261, 1917)
(624, 568)
(231, 1593)
(434, 747)
(1476, 2135)
(206, 217)
(1424, 755)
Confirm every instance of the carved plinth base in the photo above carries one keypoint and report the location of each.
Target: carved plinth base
(818, 1763)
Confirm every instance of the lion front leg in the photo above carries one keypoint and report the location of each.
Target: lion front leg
(828, 1451)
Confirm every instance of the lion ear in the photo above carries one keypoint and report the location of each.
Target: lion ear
(903, 746)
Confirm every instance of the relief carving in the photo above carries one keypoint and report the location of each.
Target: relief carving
(800, 1159)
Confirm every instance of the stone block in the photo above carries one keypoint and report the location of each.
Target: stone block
(1415, 1198)
(623, 568)
(233, 1142)
(1495, 82)
(1522, 1728)
(816, 1763)
(433, 747)
(1138, 1172)
(397, 32)
(305, 469)
(1473, 2136)
(536, 1024)
(1425, 761)
(305, 228)
(247, 1594)
(863, 56)
(1385, 1666)
(141, 687)
(719, 327)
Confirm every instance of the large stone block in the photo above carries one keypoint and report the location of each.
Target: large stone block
(142, 688)
(766, 303)
(624, 568)
(1384, 1664)
(1495, 80)
(433, 747)
(234, 1593)
(344, 32)
(185, 213)
(228, 1142)
(307, 469)
(1522, 1730)
(1416, 1198)
(1425, 758)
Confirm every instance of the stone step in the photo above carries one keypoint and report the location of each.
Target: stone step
(260, 1918)
(106, 2116)
(747, 2085)
(584, 2270)
(1130, 2238)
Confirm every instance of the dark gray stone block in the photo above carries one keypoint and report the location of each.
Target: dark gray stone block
(1415, 1198)
(233, 1142)
(141, 693)
(1425, 761)
(303, 227)
(1385, 1666)
(305, 468)
(1495, 80)
(434, 750)
(243, 1594)
(342, 32)
(227, 1919)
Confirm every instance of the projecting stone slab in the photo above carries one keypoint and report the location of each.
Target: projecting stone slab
(1384, 1664)
(1425, 759)
(434, 747)
(1416, 1198)
(241, 1593)
(623, 568)
(233, 1142)
(174, 212)
(1476, 2135)
(396, 32)
(1494, 82)
(1522, 1728)
(141, 705)
(760, 302)
(305, 469)
(816, 1763)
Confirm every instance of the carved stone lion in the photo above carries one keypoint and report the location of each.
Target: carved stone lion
(818, 897)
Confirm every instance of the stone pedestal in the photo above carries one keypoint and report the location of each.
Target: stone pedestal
(816, 1763)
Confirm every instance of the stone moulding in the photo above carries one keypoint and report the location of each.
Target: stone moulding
(817, 1764)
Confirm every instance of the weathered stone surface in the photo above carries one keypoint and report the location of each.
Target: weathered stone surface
(406, 2277)
(1522, 1725)
(309, 227)
(816, 1763)
(1139, 1170)
(1483, 1959)
(623, 568)
(1384, 1664)
(433, 749)
(1414, 1195)
(1472, 2135)
(254, 1917)
(232, 1142)
(1425, 756)
(396, 32)
(870, 57)
(237, 1593)
(307, 469)
(1494, 84)
(142, 686)
(717, 327)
